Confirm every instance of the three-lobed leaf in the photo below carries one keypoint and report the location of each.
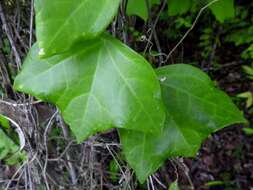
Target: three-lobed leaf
(98, 85)
(59, 23)
(195, 109)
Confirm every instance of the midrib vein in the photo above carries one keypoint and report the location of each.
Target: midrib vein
(128, 86)
(66, 21)
(196, 97)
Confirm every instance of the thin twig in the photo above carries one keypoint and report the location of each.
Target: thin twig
(63, 153)
(154, 25)
(159, 182)
(15, 174)
(19, 169)
(154, 34)
(31, 24)
(46, 150)
(21, 104)
(151, 182)
(192, 27)
(9, 36)
(116, 161)
(186, 170)
(70, 165)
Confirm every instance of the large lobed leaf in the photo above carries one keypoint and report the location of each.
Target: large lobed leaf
(61, 22)
(195, 109)
(98, 85)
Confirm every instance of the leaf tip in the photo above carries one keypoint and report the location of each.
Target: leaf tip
(142, 179)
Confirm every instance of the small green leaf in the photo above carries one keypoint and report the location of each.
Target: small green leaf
(4, 122)
(248, 70)
(6, 46)
(241, 36)
(223, 9)
(60, 23)
(178, 8)
(98, 85)
(9, 151)
(247, 95)
(174, 186)
(195, 109)
(248, 131)
(214, 183)
(114, 170)
(139, 7)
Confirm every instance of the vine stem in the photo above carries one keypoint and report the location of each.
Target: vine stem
(31, 24)
(154, 25)
(192, 27)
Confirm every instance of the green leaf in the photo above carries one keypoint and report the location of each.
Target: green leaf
(98, 85)
(248, 70)
(174, 186)
(114, 170)
(4, 122)
(223, 9)
(247, 95)
(248, 131)
(178, 8)
(195, 109)
(215, 183)
(9, 151)
(139, 7)
(240, 36)
(59, 23)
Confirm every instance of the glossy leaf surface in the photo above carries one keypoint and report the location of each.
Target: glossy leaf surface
(139, 7)
(99, 85)
(195, 109)
(61, 22)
